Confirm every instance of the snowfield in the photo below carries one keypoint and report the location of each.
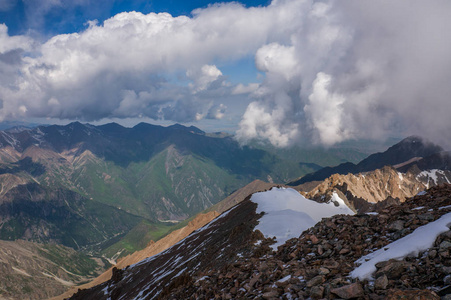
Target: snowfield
(288, 213)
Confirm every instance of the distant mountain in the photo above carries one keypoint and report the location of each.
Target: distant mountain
(409, 148)
(146, 176)
(16, 125)
(439, 160)
(34, 212)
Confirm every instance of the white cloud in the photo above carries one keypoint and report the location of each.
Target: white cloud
(245, 89)
(278, 59)
(387, 66)
(325, 111)
(202, 78)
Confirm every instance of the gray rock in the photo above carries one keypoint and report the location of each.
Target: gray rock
(381, 282)
(317, 280)
(350, 291)
(397, 225)
(317, 292)
(444, 245)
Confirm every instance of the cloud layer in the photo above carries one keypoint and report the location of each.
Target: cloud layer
(333, 71)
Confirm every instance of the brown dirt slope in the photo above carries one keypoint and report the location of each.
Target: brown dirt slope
(239, 195)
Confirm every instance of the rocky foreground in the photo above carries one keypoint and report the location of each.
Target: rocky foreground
(226, 260)
(318, 263)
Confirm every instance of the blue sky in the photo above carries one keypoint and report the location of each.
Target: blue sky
(64, 16)
(285, 71)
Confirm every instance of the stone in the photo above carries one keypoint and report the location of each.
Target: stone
(317, 280)
(317, 292)
(350, 291)
(381, 282)
(445, 245)
(314, 239)
(397, 225)
(273, 294)
(432, 254)
(253, 280)
(344, 251)
(447, 280)
(323, 271)
(426, 217)
(392, 269)
(412, 294)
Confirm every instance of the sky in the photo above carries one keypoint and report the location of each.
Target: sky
(283, 71)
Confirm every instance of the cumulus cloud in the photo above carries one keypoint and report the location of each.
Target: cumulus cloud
(325, 111)
(332, 70)
(204, 77)
(357, 70)
(127, 65)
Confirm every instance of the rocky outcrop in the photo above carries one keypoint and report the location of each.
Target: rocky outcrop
(377, 189)
(372, 186)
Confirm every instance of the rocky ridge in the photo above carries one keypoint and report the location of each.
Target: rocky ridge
(406, 153)
(363, 190)
(317, 264)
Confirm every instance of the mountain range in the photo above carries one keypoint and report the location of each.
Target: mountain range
(111, 191)
(406, 153)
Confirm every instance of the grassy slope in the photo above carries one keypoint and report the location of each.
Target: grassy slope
(138, 238)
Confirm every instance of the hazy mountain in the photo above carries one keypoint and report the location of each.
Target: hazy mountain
(407, 149)
(88, 186)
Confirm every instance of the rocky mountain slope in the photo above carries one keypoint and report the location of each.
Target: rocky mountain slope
(147, 172)
(406, 152)
(365, 189)
(325, 261)
(319, 263)
(177, 235)
(33, 212)
(38, 271)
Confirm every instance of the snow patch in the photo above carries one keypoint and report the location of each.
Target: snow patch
(444, 207)
(420, 240)
(433, 175)
(418, 208)
(288, 213)
(286, 278)
(422, 193)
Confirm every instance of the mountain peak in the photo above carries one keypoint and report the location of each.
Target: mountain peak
(398, 154)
